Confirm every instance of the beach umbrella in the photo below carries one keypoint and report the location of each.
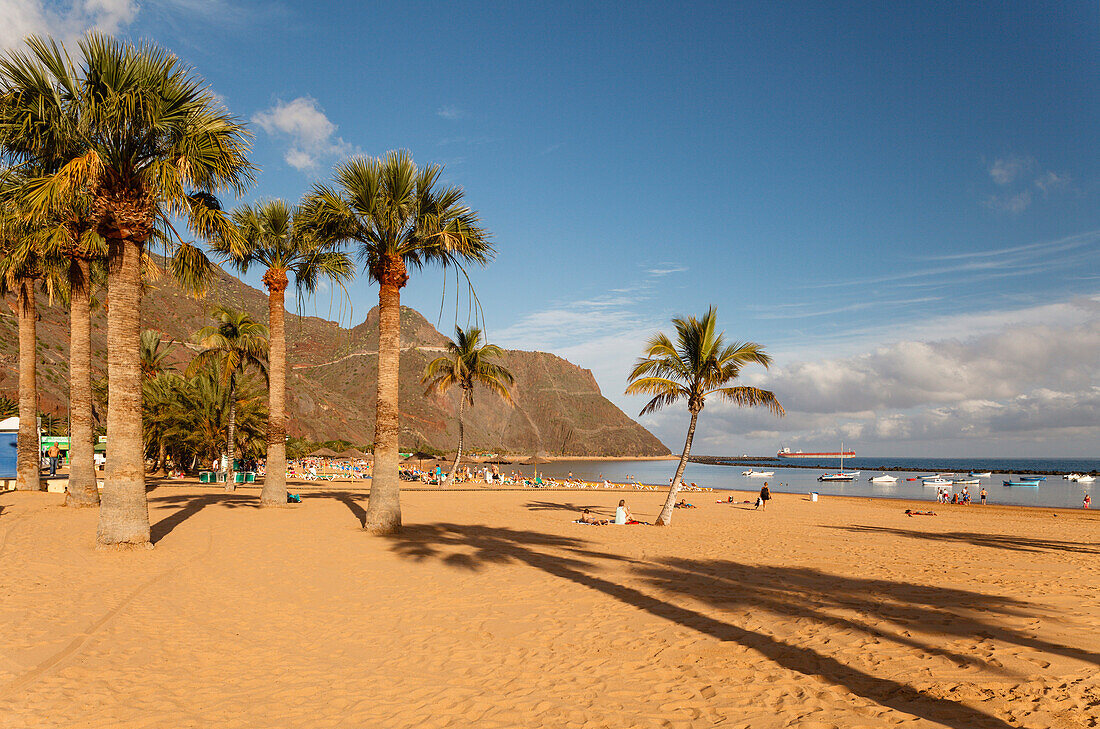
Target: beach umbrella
(420, 456)
(353, 453)
(323, 453)
(535, 461)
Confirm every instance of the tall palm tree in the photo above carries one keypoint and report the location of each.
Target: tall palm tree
(270, 239)
(159, 147)
(468, 362)
(698, 364)
(38, 125)
(20, 269)
(396, 215)
(235, 343)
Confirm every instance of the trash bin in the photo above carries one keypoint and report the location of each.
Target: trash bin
(206, 477)
(813, 496)
(250, 477)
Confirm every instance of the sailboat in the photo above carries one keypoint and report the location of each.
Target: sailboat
(839, 475)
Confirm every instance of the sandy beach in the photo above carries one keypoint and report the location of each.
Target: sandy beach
(493, 609)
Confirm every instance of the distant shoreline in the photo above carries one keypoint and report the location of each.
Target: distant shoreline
(783, 463)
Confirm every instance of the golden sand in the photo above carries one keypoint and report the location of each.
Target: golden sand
(493, 609)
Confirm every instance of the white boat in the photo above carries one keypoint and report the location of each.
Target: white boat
(840, 475)
(937, 482)
(968, 481)
(883, 478)
(758, 474)
(981, 474)
(1086, 479)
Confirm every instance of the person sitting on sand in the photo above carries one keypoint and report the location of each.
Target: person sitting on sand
(588, 517)
(622, 514)
(682, 504)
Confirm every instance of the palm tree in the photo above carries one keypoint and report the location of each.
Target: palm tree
(38, 126)
(19, 276)
(23, 263)
(397, 216)
(152, 354)
(468, 362)
(270, 239)
(699, 364)
(158, 147)
(232, 345)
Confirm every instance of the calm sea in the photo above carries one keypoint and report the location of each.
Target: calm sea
(1055, 491)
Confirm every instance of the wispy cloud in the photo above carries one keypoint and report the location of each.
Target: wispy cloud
(1005, 170)
(311, 136)
(451, 112)
(666, 270)
(1015, 203)
(1051, 181)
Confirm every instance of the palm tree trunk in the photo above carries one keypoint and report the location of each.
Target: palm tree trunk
(458, 454)
(124, 509)
(82, 489)
(665, 518)
(384, 509)
(274, 492)
(230, 483)
(28, 459)
(161, 471)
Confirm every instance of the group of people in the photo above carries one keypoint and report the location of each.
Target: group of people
(948, 497)
(622, 516)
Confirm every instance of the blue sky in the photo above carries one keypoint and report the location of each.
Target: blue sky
(898, 200)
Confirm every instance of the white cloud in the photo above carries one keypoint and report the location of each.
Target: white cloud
(311, 135)
(66, 21)
(451, 112)
(1051, 181)
(1016, 203)
(1005, 170)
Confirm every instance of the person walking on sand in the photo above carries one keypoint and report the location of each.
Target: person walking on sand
(765, 496)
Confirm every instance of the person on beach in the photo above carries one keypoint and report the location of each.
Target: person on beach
(588, 517)
(1087, 503)
(982, 495)
(764, 498)
(623, 515)
(55, 455)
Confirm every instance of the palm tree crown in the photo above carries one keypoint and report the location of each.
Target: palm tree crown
(468, 362)
(234, 343)
(698, 364)
(396, 215)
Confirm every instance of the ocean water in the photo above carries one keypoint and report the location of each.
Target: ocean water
(1055, 491)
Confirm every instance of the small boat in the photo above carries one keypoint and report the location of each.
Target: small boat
(758, 474)
(968, 481)
(1086, 479)
(836, 477)
(883, 478)
(1033, 484)
(1033, 478)
(981, 474)
(938, 482)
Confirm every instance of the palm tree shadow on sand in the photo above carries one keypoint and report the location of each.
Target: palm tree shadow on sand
(189, 505)
(666, 589)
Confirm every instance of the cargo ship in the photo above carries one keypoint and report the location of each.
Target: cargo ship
(788, 453)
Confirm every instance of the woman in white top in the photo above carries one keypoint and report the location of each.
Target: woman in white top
(622, 514)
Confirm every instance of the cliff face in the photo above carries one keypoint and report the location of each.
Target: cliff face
(331, 380)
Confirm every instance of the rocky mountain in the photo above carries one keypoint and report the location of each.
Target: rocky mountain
(559, 409)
